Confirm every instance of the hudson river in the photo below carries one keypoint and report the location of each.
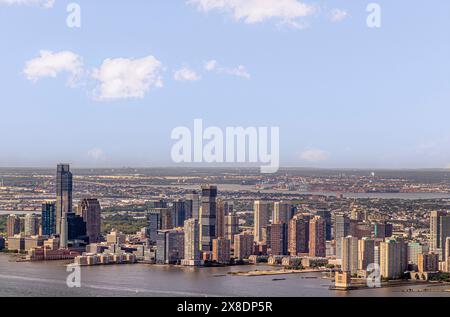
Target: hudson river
(49, 279)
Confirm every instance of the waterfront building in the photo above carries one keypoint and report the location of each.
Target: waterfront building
(208, 217)
(48, 218)
(13, 225)
(243, 245)
(221, 251)
(428, 262)
(350, 255)
(90, 210)
(261, 211)
(317, 242)
(343, 280)
(278, 239)
(366, 253)
(341, 230)
(76, 228)
(16, 243)
(390, 259)
(63, 200)
(33, 242)
(170, 246)
(192, 256)
(298, 235)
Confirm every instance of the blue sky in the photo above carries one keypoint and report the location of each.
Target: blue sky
(343, 95)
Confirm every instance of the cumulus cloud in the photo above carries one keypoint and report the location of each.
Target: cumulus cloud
(314, 155)
(238, 71)
(338, 15)
(49, 64)
(42, 3)
(254, 11)
(127, 78)
(186, 74)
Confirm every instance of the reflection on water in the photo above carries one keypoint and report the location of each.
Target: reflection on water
(48, 279)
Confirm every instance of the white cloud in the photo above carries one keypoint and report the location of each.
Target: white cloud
(186, 74)
(338, 15)
(50, 64)
(96, 154)
(314, 155)
(254, 11)
(210, 65)
(42, 3)
(239, 71)
(127, 78)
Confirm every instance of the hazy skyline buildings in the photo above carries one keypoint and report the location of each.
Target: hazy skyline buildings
(90, 210)
(63, 201)
(208, 217)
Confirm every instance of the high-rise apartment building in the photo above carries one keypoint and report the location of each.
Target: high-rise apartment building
(243, 246)
(298, 235)
(317, 242)
(48, 218)
(390, 259)
(208, 217)
(350, 254)
(439, 231)
(179, 213)
(428, 262)
(282, 212)
(231, 226)
(447, 254)
(366, 253)
(341, 230)
(326, 214)
(13, 225)
(154, 224)
(278, 239)
(262, 212)
(31, 226)
(90, 210)
(194, 199)
(191, 243)
(170, 246)
(221, 251)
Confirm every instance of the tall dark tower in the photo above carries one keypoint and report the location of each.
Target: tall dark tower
(63, 200)
(208, 217)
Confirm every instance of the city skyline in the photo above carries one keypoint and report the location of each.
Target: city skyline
(344, 95)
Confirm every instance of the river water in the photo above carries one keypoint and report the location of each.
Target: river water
(49, 279)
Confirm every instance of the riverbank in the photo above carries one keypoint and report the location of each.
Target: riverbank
(274, 272)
